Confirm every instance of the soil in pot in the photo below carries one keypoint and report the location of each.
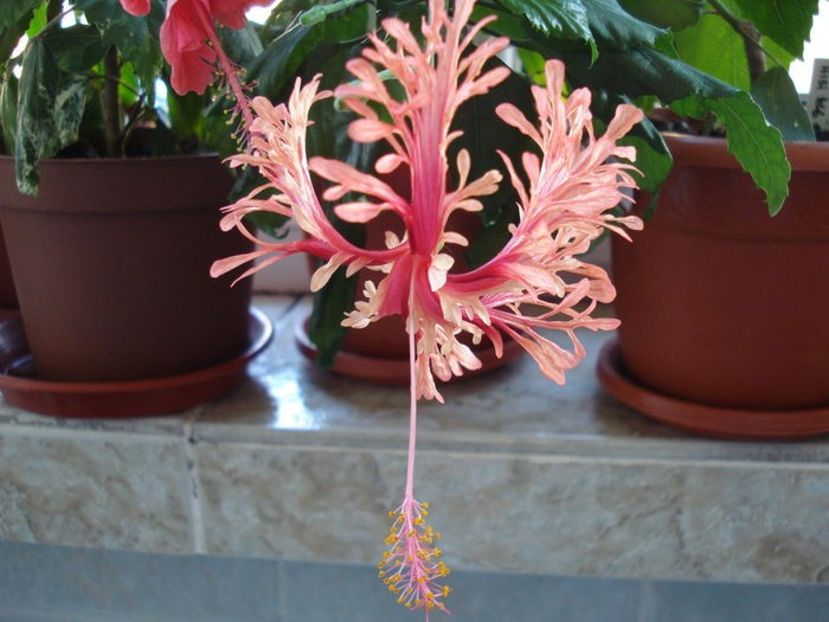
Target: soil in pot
(721, 304)
(111, 262)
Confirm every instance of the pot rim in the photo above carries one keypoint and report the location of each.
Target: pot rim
(710, 151)
(121, 185)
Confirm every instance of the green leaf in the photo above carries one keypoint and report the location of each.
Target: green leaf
(776, 56)
(129, 86)
(330, 303)
(616, 29)
(714, 47)
(776, 94)
(507, 24)
(186, 113)
(135, 37)
(40, 18)
(278, 64)
(242, 45)
(787, 22)
(533, 66)
(320, 12)
(14, 11)
(77, 48)
(757, 146)
(10, 36)
(673, 14)
(562, 18)
(8, 111)
(643, 71)
(49, 113)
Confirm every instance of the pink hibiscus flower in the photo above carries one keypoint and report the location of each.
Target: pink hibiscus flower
(191, 46)
(534, 285)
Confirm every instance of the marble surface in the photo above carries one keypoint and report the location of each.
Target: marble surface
(95, 491)
(523, 476)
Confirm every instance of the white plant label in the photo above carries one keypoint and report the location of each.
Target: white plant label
(818, 102)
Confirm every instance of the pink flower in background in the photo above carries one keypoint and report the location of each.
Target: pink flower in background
(534, 285)
(136, 7)
(186, 38)
(191, 46)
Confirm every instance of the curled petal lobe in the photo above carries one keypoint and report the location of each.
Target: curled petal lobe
(623, 121)
(389, 163)
(438, 270)
(362, 211)
(324, 273)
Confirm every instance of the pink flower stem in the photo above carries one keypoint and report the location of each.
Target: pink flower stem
(409, 496)
(229, 70)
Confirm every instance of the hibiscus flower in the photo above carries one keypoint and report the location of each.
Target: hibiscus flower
(536, 284)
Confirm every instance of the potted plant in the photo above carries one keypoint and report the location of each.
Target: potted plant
(109, 193)
(722, 295)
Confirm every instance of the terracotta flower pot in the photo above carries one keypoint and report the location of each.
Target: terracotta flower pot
(721, 304)
(111, 265)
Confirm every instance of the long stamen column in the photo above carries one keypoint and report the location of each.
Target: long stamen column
(411, 566)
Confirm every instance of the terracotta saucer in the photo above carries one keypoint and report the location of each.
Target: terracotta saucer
(702, 419)
(106, 400)
(395, 371)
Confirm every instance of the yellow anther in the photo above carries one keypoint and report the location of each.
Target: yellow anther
(437, 552)
(446, 590)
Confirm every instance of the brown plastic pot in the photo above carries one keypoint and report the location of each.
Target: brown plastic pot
(720, 303)
(111, 264)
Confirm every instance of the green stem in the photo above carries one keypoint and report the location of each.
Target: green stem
(111, 104)
(755, 52)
